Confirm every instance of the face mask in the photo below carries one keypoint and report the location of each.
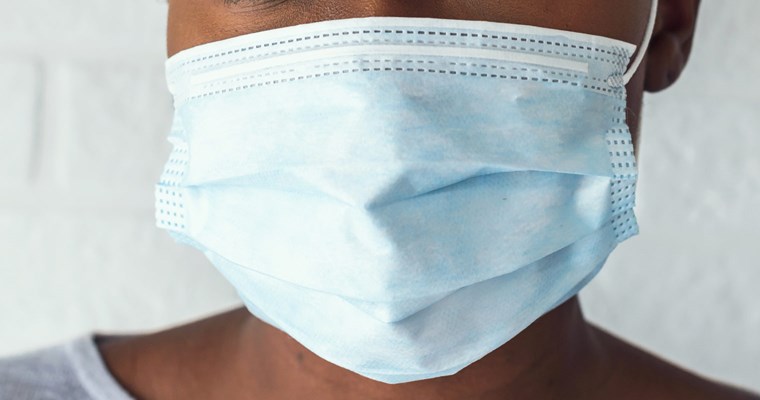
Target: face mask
(402, 195)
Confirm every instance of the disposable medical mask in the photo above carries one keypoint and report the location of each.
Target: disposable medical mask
(402, 195)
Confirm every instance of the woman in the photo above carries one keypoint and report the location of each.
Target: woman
(404, 281)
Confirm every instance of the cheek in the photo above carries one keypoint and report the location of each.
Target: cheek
(195, 22)
(174, 35)
(190, 23)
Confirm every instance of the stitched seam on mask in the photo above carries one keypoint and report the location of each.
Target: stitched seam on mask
(514, 76)
(501, 37)
(619, 223)
(174, 170)
(619, 119)
(620, 146)
(599, 88)
(462, 45)
(170, 208)
(376, 69)
(623, 188)
(429, 62)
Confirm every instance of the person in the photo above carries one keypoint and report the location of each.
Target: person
(236, 355)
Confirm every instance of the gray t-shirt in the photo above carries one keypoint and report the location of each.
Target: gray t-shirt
(71, 371)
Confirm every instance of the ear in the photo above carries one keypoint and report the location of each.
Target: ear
(671, 43)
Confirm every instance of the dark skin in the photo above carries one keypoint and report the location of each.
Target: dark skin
(560, 356)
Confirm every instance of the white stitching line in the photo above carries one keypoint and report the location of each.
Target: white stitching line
(170, 213)
(616, 62)
(336, 53)
(335, 64)
(618, 92)
(615, 52)
(462, 45)
(623, 188)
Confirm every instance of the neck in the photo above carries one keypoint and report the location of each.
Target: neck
(236, 356)
(556, 357)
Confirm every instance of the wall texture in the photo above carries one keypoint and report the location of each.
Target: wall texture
(83, 118)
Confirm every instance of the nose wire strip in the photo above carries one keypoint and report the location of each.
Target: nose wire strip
(644, 45)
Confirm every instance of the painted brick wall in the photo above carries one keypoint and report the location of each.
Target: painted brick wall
(83, 118)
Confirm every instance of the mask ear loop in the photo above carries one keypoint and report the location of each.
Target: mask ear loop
(644, 45)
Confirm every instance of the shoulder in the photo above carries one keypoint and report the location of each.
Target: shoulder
(638, 374)
(42, 374)
(72, 370)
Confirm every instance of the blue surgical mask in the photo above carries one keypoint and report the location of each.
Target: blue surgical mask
(402, 195)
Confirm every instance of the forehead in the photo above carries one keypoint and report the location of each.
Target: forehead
(195, 22)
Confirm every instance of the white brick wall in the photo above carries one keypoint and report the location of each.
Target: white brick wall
(83, 119)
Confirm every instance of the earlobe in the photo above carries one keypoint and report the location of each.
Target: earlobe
(671, 44)
(665, 62)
